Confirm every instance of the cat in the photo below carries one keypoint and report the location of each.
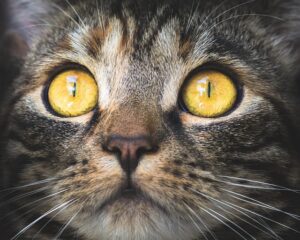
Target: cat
(139, 119)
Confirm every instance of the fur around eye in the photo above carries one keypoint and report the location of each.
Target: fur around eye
(73, 93)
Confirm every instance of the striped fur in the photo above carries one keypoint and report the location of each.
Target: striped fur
(233, 177)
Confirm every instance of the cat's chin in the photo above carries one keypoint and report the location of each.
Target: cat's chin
(132, 215)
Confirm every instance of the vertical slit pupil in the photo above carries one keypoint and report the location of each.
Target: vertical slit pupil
(209, 89)
(74, 89)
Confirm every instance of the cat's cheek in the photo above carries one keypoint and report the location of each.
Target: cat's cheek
(90, 187)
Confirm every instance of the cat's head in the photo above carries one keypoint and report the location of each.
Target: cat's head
(155, 119)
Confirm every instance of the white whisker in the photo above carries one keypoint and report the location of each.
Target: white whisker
(244, 15)
(74, 10)
(45, 225)
(31, 203)
(212, 12)
(251, 186)
(245, 221)
(193, 212)
(258, 203)
(38, 219)
(220, 220)
(262, 183)
(22, 196)
(29, 184)
(233, 223)
(67, 15)
(264, 224)
(68, 223)
(200, 230)
(245, 209)
(235, 7)
(192, 15)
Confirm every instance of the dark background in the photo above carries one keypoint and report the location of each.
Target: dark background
(8, 65)
(3, 54)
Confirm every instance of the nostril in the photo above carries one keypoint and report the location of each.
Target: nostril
(130, 149)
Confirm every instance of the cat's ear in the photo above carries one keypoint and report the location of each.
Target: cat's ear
(23, 24)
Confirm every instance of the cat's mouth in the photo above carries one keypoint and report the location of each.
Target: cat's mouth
(129, 196)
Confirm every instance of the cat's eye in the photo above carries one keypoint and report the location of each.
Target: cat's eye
(209, 94)
(73, 93)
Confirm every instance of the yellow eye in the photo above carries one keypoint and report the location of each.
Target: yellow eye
(209, 94)
(73, 93)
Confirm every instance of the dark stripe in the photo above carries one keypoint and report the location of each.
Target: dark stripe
(93, 122)
(162, 20)
(25, 142)
(223, 46)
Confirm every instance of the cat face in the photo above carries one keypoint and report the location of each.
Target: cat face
(140, 162)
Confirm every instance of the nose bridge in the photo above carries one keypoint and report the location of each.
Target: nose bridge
(131, 120)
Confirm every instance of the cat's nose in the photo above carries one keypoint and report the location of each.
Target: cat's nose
(130, 149)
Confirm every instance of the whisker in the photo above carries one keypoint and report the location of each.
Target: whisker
(45, 225)
(262, 183)
(200, 230)
(22, 196)
(233, 223)
(244, 15)
(28, 185)
(31, 203)
(220, 220)
(258, 203)
(74, 10)
(41, 217)
(236, 208)
(235, 7)
(67, 15)
(263, 224)
(249, 223)
(210, 14)
(68, 223)
(193, 212)
(245, 209)
(252, 186)
(192, 15)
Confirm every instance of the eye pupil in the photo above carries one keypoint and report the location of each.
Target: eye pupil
(209, 89)
(74, 89)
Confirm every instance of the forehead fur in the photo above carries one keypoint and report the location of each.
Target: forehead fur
(278, 19)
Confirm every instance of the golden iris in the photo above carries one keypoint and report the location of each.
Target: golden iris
(209, 94)
(73, 93)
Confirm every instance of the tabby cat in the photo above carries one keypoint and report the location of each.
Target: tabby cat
(145, 119)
